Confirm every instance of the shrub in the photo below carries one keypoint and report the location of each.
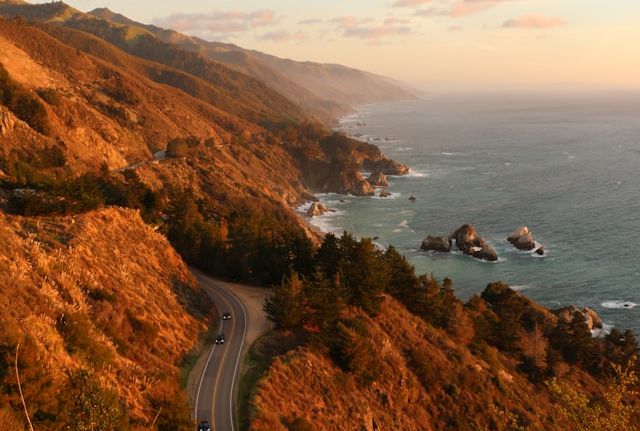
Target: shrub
(300, 424)
(76, 333)
(91, 407)
(23, 103)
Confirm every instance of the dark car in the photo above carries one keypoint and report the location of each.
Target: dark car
(204, 426)
(226, 316)
(220, 339)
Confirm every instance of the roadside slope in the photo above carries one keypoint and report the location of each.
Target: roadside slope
(98, 300)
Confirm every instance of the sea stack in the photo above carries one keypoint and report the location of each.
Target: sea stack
(522, 239)
(437, 243)
(378, 179)
(317, 209)
(466, 239)
(468, 242)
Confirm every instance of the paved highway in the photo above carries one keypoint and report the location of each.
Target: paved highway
(216, 389)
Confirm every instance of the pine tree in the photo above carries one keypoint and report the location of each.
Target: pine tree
(284, 306)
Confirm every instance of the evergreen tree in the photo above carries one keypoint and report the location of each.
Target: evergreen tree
(284, 305)
(328, 256)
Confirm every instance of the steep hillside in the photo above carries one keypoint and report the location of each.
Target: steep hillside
(425, 381)
(323, 90)
(102, 110)
(231, 91)
(366, 344)
(104, 311)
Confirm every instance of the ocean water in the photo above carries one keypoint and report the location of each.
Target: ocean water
(567, 167)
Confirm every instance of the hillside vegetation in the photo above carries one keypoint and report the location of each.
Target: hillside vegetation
(250, 82)
(379, 347)
(103, 311)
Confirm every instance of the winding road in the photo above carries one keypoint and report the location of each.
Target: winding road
(215, 394)
(215, 386)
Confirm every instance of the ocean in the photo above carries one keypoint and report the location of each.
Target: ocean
(568, 167)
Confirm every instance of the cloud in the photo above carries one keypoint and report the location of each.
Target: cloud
(534, 21)
(411, 3)
(395, 20)
(218, 24)
(282, 36)
(367, 29)
(455, 28)
(458, 8)
(468, 7)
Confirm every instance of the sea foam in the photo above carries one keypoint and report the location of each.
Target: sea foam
(618, 304)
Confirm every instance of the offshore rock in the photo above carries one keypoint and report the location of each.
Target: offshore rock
(317, 209)
(437, 243)
(468, 242)
(522, 239)
(378, 179)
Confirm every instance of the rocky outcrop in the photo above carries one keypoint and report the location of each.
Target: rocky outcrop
(385, 165)
(6, 122)
(437, 243)
(591, 318)
(384, 194)
(378, 179)
(317, 209)
(522, 239)
(466, 239)
(360, 187)
(486, 252)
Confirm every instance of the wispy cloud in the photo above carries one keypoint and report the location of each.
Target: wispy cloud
(534, 21)
(218, 24)
(367, 29)
(456, 8)
(396, 20)
(411, 3)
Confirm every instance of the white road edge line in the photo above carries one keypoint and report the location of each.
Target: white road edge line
(204, 371)
(235, 371)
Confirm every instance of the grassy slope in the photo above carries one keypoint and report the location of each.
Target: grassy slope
(428, 382)
(143, 308)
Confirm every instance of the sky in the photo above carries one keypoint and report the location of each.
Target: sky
(434, 45)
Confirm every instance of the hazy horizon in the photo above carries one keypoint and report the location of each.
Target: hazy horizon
(432, 45)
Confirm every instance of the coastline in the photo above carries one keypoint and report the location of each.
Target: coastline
(558, 279)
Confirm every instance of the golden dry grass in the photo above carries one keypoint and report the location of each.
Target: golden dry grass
(428, 382)
(139, 299)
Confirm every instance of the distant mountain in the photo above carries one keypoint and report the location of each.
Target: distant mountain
(325, 88)
(321, 88)
(325, 91)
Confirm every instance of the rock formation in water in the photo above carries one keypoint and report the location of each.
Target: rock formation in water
(437, 243)
(466, 239)
(522, 239)
(378, 179)
(317, 209)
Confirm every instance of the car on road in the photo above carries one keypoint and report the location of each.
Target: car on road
(226, 316)
(220, 339)
(204, 426)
